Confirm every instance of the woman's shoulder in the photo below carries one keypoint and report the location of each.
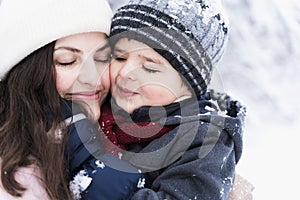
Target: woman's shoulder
(30, 178)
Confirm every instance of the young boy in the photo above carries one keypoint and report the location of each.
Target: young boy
(162, 119)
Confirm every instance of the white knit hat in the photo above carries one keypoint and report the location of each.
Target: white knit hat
(27, 25)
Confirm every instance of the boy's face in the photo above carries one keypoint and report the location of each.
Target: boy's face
(142, 77)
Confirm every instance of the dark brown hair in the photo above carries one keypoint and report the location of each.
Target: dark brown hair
(29, 115)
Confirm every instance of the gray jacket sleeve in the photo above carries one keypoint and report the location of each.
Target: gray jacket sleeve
(204, 171)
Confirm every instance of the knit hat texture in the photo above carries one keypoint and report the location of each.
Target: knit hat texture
(190, 34)
(28, 25)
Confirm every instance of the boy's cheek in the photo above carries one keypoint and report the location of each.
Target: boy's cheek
(158, 95)
(113, 72)
(112, 80)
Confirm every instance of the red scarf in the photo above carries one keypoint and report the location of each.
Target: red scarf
(121, 133)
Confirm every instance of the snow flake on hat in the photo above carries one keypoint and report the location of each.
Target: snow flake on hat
(210, 9)
(176, 8)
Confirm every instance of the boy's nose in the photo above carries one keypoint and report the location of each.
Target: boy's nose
(128, 70)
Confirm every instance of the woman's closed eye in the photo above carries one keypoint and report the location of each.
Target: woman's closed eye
(103, 56)
(64, 59)
(102, 59)
(65, 64)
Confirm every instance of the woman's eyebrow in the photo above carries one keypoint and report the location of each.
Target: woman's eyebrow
(72, 49)
(68, 49)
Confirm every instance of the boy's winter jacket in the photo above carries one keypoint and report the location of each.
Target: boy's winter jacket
(197, 158)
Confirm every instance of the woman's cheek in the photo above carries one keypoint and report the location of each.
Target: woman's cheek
(105, 80)
(63, 83)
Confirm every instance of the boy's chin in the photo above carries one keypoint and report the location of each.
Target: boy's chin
(126, 105)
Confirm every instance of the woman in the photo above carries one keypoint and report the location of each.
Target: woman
(40, 63)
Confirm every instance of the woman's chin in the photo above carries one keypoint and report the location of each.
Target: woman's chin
(94, 111)
(91, 109)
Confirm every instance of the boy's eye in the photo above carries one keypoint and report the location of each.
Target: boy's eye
(118, 58)
(150, 70)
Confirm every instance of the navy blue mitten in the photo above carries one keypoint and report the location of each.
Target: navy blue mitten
(100, 180)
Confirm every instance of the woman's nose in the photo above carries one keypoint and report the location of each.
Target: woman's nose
(89, 74)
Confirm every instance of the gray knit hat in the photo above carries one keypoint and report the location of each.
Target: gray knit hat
(190, 34)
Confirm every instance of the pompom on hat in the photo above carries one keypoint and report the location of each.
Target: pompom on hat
(26, 26)
(190, 34)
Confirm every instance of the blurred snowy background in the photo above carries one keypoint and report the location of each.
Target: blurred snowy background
(261, 67)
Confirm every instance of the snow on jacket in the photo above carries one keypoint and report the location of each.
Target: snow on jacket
(195, 160)
(95, 175)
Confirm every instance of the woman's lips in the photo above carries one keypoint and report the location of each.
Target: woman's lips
(86, 96)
